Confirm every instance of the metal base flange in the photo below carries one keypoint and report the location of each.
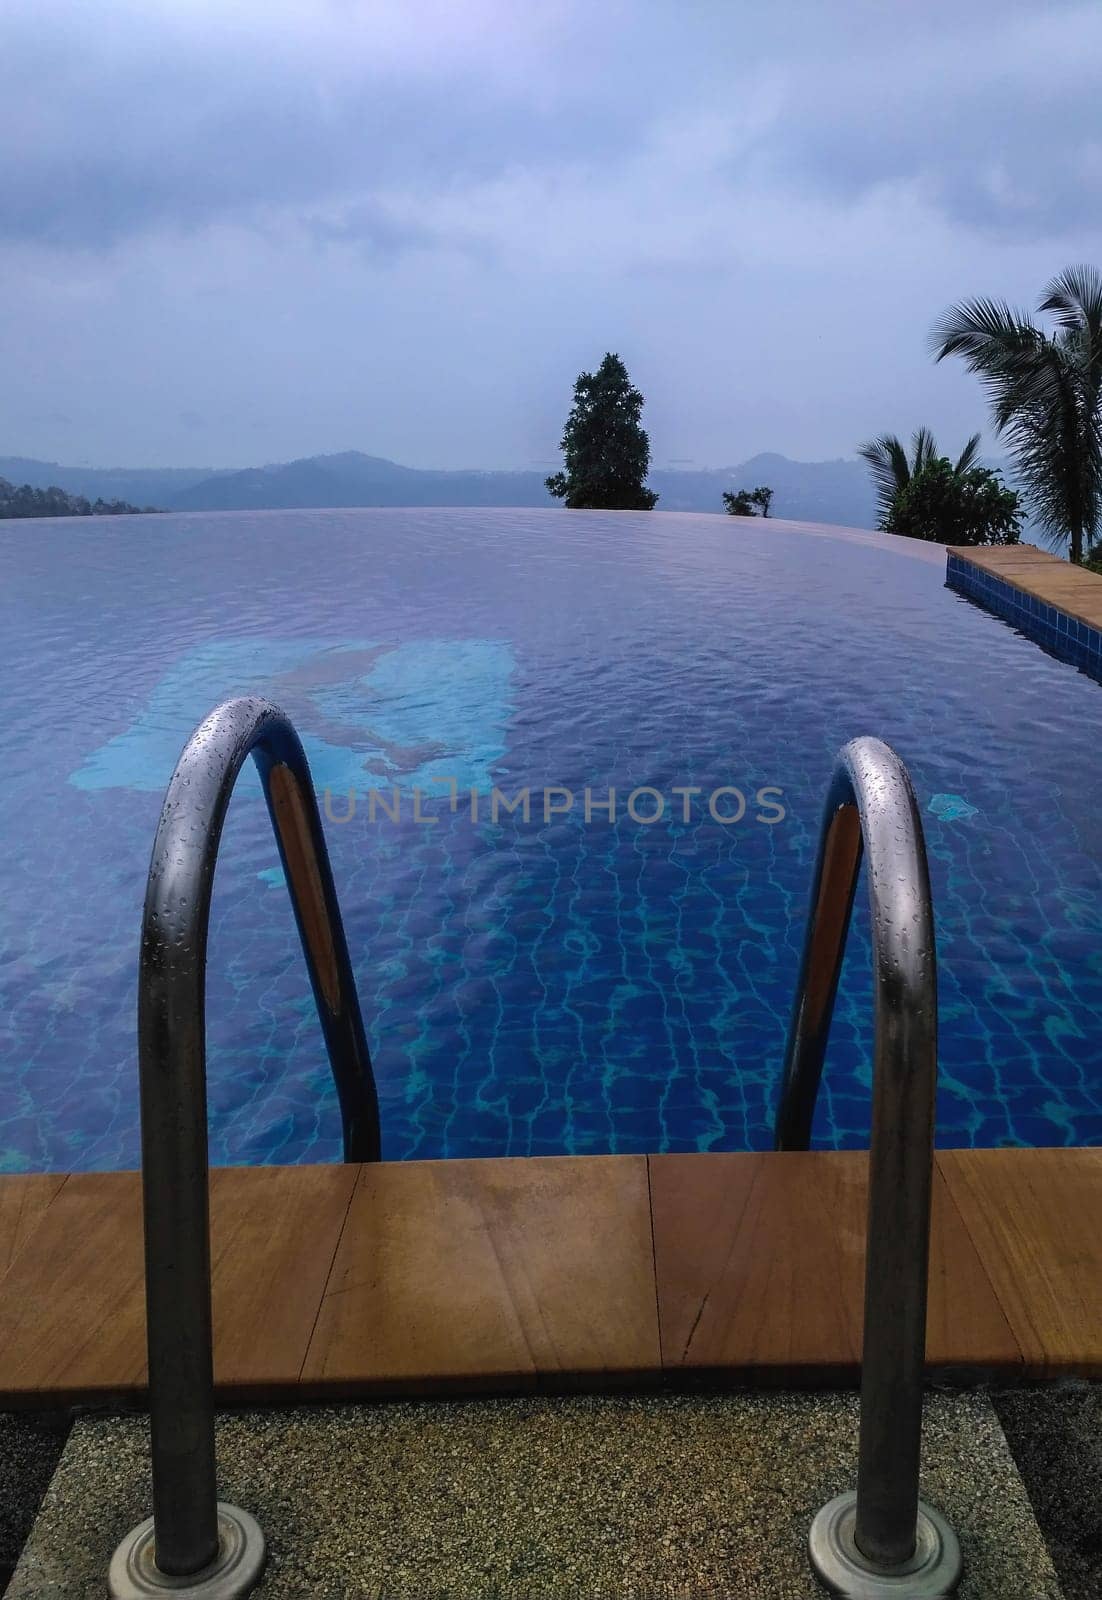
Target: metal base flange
(932, 1573)
(234, 1572)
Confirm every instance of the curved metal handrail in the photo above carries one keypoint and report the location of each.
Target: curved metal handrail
(172, 1070)
(871, 809)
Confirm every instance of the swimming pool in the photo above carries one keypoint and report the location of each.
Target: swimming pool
(549, 984)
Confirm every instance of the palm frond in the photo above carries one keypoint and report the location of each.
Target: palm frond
(967, 458)
(1056, 445)
(891, 471)
(1075, 299)
(1045, 395)
(923, 450)
(982, 330)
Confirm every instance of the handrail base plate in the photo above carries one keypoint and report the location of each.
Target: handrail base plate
(234, 1573)
(932, 1573)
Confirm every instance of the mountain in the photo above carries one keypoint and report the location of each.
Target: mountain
(145, 486)
(805, 491)
(352, 479)
(810, 491)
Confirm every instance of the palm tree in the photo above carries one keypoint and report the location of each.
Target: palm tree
(892, 472)
(1045, 391)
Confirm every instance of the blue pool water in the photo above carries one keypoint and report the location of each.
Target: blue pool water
(535, 986)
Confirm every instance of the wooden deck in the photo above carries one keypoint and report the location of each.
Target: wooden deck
(556, 1273)
(1041, 575)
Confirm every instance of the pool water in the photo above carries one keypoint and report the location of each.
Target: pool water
(549, 984)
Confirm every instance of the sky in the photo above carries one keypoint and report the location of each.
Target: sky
(247, 232)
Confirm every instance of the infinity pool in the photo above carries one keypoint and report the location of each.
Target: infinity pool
(549, 983)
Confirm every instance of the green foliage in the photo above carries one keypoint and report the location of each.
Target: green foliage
(738, 504)
(28, 502)
(747, 502)
(1045, 391)
(604, 445)
(891, 470)
(942, 503)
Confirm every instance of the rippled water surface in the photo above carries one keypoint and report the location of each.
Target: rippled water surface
(533, 986)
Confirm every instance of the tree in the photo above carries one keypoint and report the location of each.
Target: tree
(53, 502)
(942, 503)
(743, 501)
(604, 445)
(891, 471)
(1045, 391)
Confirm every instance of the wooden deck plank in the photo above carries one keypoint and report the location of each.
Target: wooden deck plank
(1039, 573)
(72, 1315)
(274, 1235)
(966, 1323)
(1036, 1219)
(24, 1199)
(72, 1308)
(996, 557)
(760, 1268)
(738, 1288)
(490, 1274)
(428, 1277)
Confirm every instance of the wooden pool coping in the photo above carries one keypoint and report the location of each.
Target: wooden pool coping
(447, 1277)
(1056, 604)
(1042, 575)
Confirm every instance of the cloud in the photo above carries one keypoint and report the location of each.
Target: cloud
(122, 118)
(404, 225)
(128, 117)
(995, 117)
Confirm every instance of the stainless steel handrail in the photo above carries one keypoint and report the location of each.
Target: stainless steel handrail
(871, 809)
(189, 1533)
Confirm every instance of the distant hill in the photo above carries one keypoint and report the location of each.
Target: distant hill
(812, 491)
(352, 479)
(815, 491)
(805, 491)
(146, 486)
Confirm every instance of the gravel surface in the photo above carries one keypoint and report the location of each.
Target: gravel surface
(587, 1497)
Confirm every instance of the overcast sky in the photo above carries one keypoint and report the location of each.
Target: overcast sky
(235, 231)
